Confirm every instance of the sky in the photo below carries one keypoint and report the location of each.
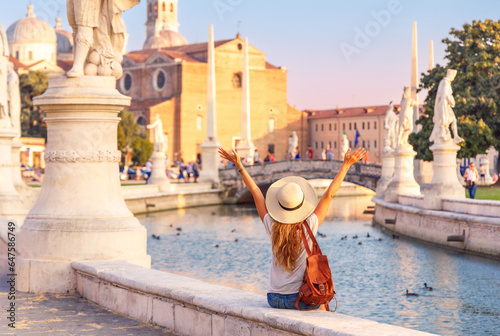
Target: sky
(338, 53)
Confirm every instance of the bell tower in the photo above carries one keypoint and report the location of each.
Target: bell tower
(161, 14)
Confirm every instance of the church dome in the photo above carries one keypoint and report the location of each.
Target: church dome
(31, 30)
(165, 38)
(64, 38)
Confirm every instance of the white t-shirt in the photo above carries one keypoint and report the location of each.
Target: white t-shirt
(281, 281)
(471, 175)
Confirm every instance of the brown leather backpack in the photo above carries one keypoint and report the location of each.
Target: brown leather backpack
(317, 287)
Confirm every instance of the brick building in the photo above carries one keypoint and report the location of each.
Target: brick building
(170, 78)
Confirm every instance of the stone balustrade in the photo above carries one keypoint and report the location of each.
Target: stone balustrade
(192, 307)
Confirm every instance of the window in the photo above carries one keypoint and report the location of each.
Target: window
(126, 82)
(350, 143)
(335, 127)
(355, 127)
(199, 123)
(335, 144)
(316, 127)
(271, 125)
(350, 126)
(368, 125)
(163, 7)
(270, 148)
(322, 145)
(141, 121)
(30, 55)
(322, 128)
(171, 7)
(374, 125)
(329, 127)
(374, 143)
(236, 80)
(316, 144)
(363, 125)
(159, 79)
(343, 126)
(368, 143)
(363, 144)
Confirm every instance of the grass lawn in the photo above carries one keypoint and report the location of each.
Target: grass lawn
(487, 193)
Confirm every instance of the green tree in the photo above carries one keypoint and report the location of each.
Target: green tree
(130, 136)
(31, 85)
(474, 52)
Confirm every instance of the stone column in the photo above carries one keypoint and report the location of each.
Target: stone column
(403, 181)
(80, 213)
(245, 146)
(387, 173)
(158, 175)
(10, 201)
(209, 155)
(444, 182)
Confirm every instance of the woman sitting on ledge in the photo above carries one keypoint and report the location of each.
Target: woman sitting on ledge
(288, 203)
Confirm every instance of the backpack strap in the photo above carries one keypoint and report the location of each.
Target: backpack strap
(315, 248)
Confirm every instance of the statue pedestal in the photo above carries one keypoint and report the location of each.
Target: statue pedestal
(444, 182)
(158, 175)
(210, 161)
(403, 181)
(483, 161)
(246, 150)
(80, 213)
(10, 201)
(387, 173)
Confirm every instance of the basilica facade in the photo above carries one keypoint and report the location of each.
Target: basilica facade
(169, 77)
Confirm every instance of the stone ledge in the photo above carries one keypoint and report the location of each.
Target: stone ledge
(175, 302)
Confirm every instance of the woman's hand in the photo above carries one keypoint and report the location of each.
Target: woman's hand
(234, 157)
(350, 159)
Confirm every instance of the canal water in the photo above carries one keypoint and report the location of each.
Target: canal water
(228, 245)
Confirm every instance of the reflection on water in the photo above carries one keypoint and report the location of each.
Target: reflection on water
(370, 279)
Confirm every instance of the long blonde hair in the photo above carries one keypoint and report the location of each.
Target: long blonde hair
(287, 244)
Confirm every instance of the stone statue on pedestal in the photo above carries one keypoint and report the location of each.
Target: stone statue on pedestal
(159, 138)
(99, 34)
(5, 121)
(293, 143)
(443, 112)
(391, 128)
(14, 98)
(345, 146)
(405, 118)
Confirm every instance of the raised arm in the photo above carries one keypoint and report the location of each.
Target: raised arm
(324, 202)
(258, 197)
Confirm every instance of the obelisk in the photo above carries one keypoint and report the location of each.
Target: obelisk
(414, 76)
(431, 55)
(245, 147)
(209, 155)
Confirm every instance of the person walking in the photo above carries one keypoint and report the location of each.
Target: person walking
(289, 203)
(471, 176)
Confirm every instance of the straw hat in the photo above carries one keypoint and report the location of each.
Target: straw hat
(291, 200)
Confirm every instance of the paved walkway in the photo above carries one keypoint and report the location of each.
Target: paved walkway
(58, 315)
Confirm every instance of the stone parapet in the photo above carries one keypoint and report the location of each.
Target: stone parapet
(192, 307)
(472, 233)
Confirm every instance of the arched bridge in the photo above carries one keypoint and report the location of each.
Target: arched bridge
(265, 174)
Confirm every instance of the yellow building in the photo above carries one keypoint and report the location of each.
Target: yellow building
(170, 78)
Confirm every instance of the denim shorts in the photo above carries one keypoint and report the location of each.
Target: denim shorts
(287, 301)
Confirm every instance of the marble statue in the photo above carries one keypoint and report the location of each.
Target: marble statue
(345, 146)
(293, 144)
(14, 98)
(159, 138)
(443, 112)
(405, 117)
(99, 33)
(391, 127)
(5, 121)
